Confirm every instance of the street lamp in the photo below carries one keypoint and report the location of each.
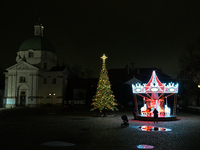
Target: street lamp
(52, 94)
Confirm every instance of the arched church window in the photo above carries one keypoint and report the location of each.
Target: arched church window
(22, 79)
(30, 54)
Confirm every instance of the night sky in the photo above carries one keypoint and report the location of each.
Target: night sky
(150, 33)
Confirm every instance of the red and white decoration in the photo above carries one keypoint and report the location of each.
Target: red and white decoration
(155, 91)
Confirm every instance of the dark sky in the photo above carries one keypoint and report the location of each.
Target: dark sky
(151, 33)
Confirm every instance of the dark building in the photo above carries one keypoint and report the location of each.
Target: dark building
(81, 90)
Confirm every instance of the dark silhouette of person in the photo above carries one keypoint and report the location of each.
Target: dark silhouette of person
(135, 113)
(155, 112)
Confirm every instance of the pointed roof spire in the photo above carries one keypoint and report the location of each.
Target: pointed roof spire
(38, 20)
(38, 28)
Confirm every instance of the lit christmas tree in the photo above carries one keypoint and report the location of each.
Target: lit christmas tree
(104, 99)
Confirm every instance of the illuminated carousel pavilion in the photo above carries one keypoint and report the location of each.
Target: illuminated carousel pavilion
(155, 95)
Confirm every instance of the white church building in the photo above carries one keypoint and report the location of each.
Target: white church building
(36, 79)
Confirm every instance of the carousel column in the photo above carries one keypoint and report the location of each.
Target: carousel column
(175, 104)
(135, 102)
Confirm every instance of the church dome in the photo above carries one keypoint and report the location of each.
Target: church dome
(37, 43)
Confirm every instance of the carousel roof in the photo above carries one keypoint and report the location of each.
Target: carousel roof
(155, 86)
(154, 83)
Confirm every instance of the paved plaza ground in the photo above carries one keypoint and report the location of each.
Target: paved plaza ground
(31, 128)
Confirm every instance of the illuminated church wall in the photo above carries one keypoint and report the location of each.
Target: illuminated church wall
(35, 79)
(38, 58)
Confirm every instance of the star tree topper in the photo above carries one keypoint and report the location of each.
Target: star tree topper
(104, 58)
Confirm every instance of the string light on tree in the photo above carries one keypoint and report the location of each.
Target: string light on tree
(104, 99)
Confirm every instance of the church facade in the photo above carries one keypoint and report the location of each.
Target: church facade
(36, 79)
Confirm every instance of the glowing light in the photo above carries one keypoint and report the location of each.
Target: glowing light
(142, 146)
(154, 89)
(144, 110)
(171, 89)
(104, 99)
(153, 128)
(147, 128)
(104, 57)
(138, 90)
(154, 100)
(167, 110)
(154, 85)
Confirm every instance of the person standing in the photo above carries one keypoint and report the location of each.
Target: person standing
(155, 112)
(135, 113)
